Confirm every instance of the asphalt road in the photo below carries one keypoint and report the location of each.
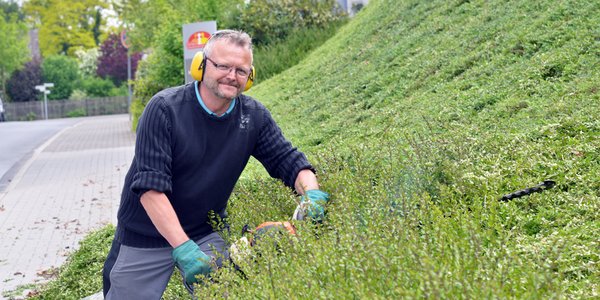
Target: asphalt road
(19, 140)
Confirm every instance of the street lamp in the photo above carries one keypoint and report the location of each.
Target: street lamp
(44, 89)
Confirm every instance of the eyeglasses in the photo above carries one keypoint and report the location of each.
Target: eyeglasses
(225, 68)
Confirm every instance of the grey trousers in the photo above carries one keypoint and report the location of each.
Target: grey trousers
(143, 273)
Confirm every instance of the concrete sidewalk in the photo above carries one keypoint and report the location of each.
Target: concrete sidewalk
(69, 187)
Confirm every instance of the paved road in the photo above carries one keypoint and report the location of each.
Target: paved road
(18, 140)
(68, 187)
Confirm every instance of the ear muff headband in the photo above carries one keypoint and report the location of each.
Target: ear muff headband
(199, 63)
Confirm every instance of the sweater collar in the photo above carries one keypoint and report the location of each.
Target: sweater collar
(210, 112)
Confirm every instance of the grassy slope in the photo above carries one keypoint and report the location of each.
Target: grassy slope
(419, 115)
(466, 101)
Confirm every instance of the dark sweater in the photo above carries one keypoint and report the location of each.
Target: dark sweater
(196, 159)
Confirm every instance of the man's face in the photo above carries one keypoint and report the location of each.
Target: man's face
(224, 70)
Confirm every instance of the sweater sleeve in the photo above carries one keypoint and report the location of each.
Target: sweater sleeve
(276, 153)
(153, 154)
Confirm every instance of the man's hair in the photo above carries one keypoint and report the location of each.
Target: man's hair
(238, 38)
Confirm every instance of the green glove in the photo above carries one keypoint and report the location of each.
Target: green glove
(191, 261)
(317, 198)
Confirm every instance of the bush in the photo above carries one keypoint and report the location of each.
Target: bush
(79, 112)
(88, 61)
(97, 87)
(123, 90)
(161, 69)
(63, 72)
(78, 94)
(21, 85)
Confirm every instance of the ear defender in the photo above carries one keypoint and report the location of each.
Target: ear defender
(197, 66)
(197, 70)
(250, 79)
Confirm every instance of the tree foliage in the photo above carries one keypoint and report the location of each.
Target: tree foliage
(66, 26)
(272, 20)
(112, 62)
(11, 7)
(87, 61)
(145, 19)
(13, 46)
(63, 72)
(21, 85)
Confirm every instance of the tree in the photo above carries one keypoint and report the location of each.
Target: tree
(10, 8)
(63, 72)
(13, 46)
(112, 63)
(88, 61)
(21, 85)
(66, 26)
(145, 19)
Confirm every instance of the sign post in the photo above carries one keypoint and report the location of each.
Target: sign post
(129, 95)
(44, 88)
(195, 36)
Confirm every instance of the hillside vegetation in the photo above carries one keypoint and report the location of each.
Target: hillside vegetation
(419, 116)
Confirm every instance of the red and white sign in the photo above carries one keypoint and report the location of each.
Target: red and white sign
(197, 40)
(194, 37)
(124, 41)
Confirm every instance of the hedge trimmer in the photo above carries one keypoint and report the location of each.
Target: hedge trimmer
(241, 248)
(545, 185)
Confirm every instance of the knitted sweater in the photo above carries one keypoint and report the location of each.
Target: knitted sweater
(196, 158)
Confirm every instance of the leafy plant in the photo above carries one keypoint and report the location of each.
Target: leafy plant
(62, 71)
(80, 112)
(112, 62)
(268, 21)
(161, 69)
(21, 85)
(87, 61)
(97, 87)
(31, 116)
(13, 46)
(78, 94)
(67, 25)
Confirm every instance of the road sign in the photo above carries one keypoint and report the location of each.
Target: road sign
(124, 40)
(44, 88)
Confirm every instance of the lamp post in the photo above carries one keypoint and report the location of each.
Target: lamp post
(44, 88)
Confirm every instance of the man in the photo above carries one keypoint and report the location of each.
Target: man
(192, 144)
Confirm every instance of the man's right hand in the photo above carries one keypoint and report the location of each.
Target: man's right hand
(312, 205)
(191, 261)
